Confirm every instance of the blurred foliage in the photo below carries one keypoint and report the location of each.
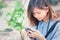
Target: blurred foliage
(15, 14)
(17, 17)
(1, 4)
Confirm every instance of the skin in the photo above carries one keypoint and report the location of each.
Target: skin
(39, 14)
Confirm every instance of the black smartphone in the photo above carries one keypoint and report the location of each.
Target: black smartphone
(29, 29)
(29, 32)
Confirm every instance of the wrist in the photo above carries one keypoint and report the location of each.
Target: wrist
(41, 37)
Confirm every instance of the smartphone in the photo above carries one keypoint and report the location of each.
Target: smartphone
(29, 29)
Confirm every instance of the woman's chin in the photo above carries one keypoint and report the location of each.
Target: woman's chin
(39, 19)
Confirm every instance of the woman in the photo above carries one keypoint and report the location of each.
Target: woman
(42, 17)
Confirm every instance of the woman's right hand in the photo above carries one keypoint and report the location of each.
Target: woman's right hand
(25, 35)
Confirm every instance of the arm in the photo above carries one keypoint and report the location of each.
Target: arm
(41, 37)
(36, 34)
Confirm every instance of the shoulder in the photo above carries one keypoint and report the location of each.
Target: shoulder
(58, 25)
(57, 22)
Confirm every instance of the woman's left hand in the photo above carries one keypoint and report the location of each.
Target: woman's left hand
(35, 34)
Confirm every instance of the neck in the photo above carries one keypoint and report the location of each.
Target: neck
(46, 18)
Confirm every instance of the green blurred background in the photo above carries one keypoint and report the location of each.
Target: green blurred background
(13, 12)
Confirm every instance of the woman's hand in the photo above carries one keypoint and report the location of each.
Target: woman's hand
(24, 35)
(36, 34)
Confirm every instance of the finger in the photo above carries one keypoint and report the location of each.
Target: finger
(29, 31)
(30, 35)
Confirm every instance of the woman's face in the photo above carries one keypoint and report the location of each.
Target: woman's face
(40, 14)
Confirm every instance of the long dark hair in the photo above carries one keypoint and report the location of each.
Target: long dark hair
(40, 4)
